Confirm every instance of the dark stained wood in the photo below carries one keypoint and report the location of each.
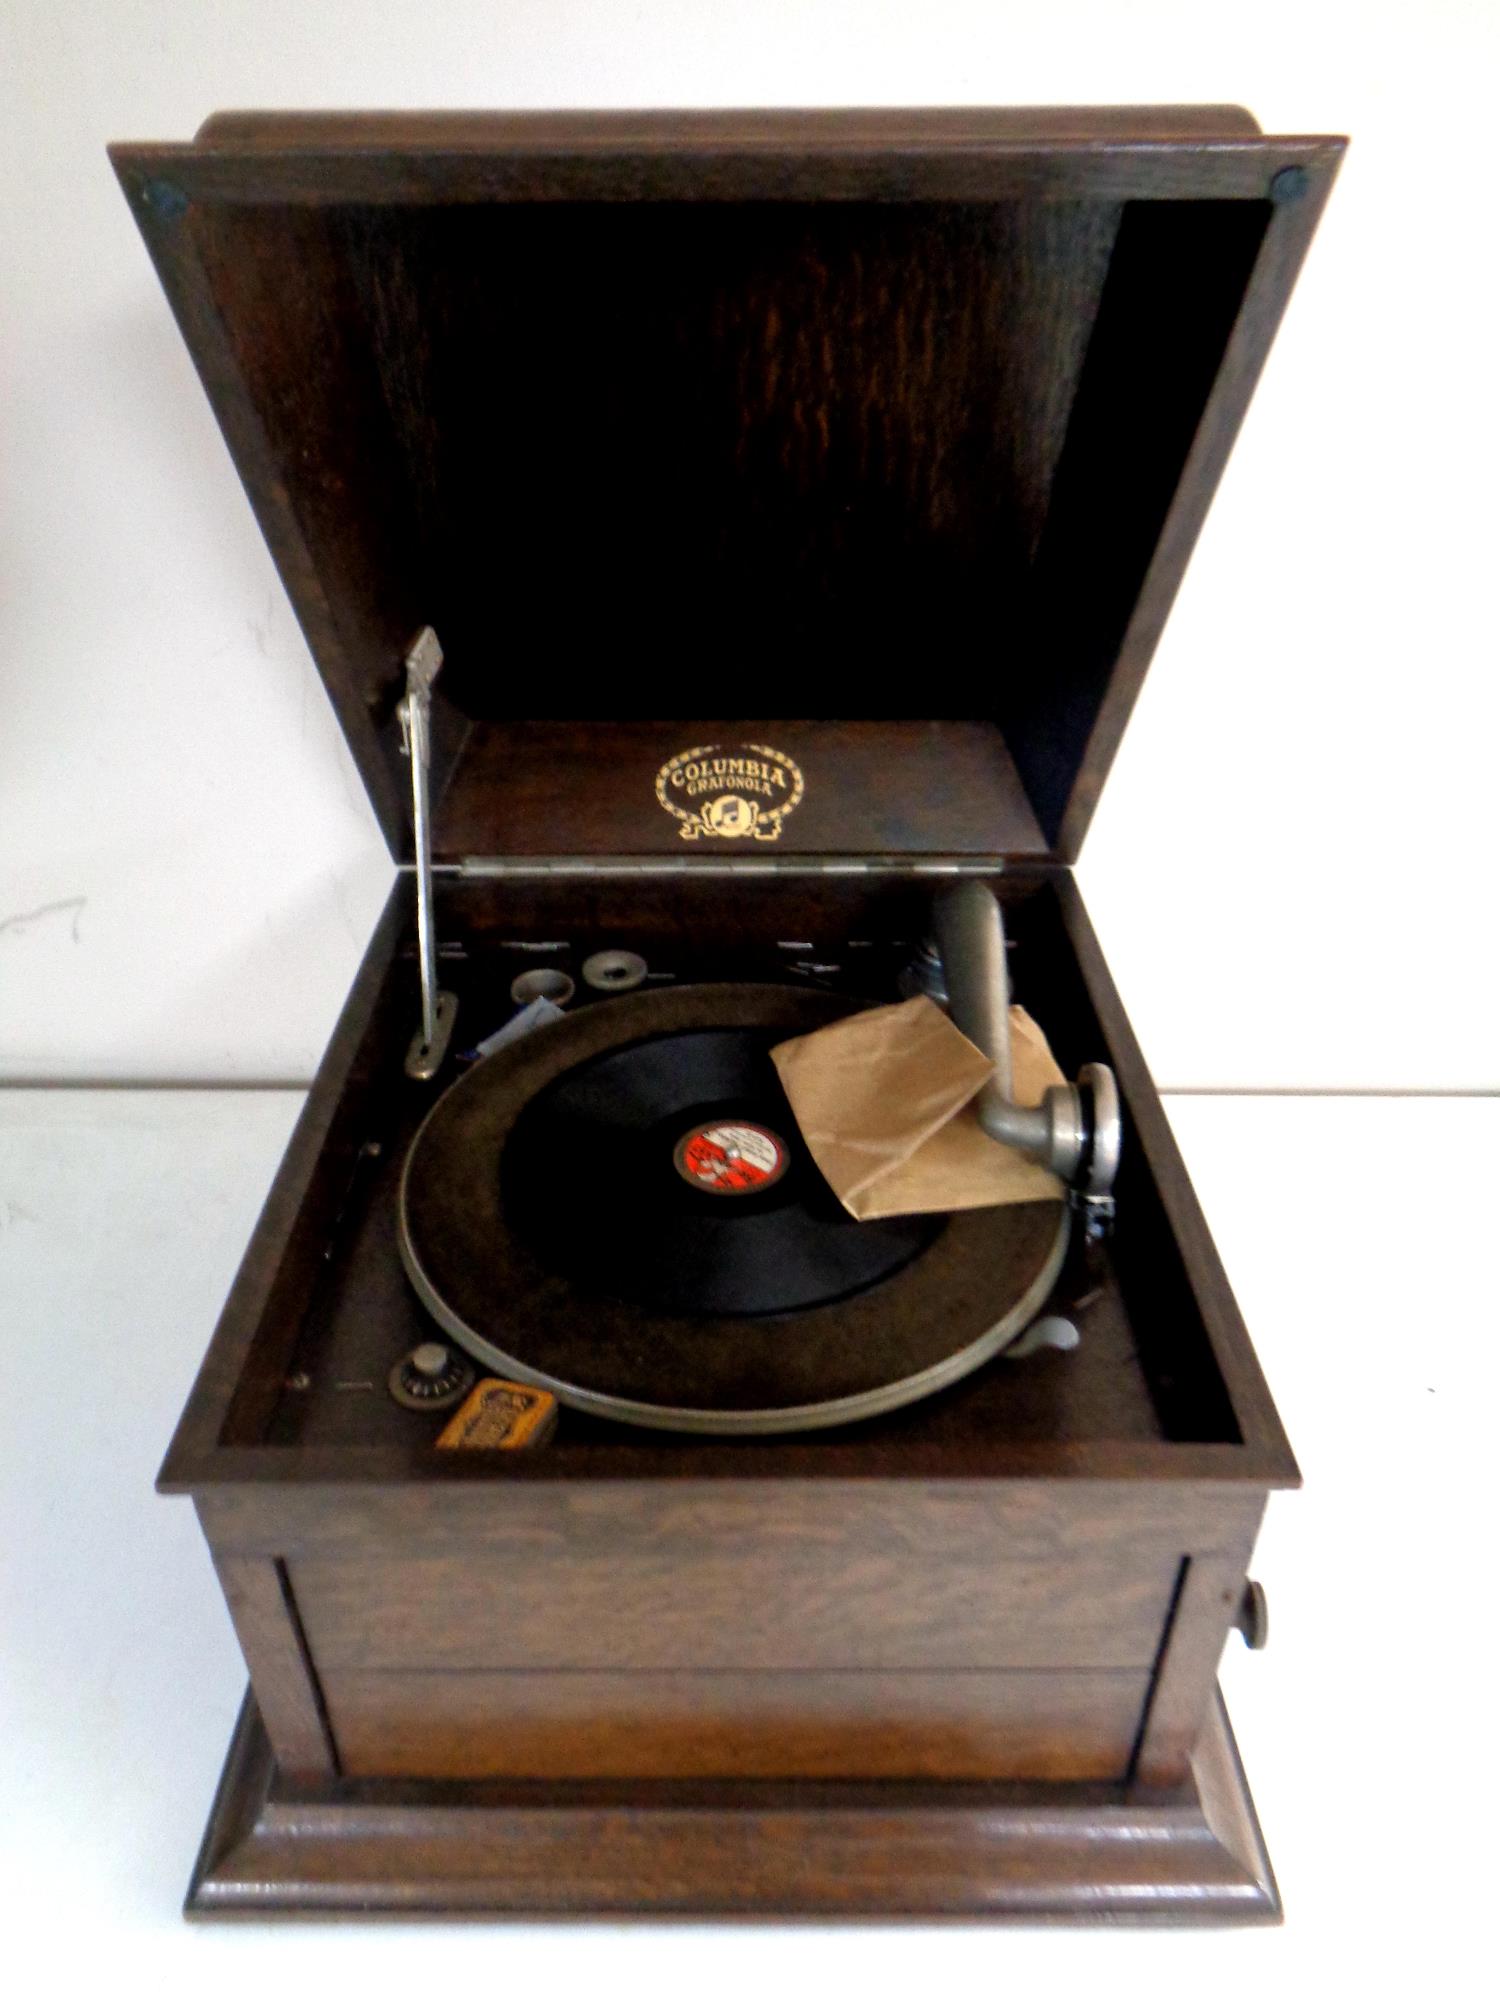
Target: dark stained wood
(388, 1558)
(266, 1625)
(261, 1469)
(335, 620)
(871, 788)
(1166, 1385)
(1176, 1225)
(1068, 1853)
(865, 1724)
(783, 1581)
(1211, 1588)
(883, 410)
(770, 1604)
(827, 155)
(1138, 402)
(956, 1520)
(1251, 327)
(647, 131)
(246, 1361)
(658, 414)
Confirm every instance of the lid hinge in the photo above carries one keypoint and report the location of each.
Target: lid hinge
(424, 657)
(521, 867)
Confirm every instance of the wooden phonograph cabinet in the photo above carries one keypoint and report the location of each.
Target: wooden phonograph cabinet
(728, 419)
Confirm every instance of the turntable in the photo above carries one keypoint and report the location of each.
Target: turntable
(874, 1566)
(723, 1287)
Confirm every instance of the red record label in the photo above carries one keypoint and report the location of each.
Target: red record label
(731, 1158)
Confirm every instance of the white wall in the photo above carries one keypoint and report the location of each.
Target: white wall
(1291, 867)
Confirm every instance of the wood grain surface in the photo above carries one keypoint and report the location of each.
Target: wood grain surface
(676, 1724)
(1052, 1852)
(914, 414)
(773, 1606)
(263, 1610)
(892, 411)
(892, 787)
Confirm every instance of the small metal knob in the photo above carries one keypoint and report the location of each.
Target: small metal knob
(431, 1377)
(1050, 1331)
(543, 982)
(1252, 1621)
(614, 971)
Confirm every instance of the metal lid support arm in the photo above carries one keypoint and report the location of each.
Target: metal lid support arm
(424, 658)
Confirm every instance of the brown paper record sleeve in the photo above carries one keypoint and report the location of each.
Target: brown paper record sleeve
(885, 1103)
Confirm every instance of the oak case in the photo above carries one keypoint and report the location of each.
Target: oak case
(770, 412)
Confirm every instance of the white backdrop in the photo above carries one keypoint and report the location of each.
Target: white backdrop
(1290, 868)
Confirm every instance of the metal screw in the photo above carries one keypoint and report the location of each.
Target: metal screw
(1290, 184)
(165, 199)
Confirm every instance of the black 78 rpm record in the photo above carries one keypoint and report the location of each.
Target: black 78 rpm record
(620, 1209)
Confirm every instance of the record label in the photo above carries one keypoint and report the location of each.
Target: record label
(731, 1158)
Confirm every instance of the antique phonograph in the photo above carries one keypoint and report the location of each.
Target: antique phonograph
(629, 1496)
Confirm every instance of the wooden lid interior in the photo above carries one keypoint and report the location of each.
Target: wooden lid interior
(926, 448)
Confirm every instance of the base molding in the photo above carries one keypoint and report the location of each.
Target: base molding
(1023, 1853)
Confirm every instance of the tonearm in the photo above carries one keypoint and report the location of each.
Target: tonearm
(1075, 1130)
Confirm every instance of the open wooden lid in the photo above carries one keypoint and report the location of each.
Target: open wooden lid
(727, 417)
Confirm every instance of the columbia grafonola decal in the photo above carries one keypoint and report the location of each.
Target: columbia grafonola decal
(735, 792)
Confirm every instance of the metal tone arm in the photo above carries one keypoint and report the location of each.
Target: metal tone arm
(1075, 1130)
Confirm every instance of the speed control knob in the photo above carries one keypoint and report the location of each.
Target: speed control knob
(431, 1377)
